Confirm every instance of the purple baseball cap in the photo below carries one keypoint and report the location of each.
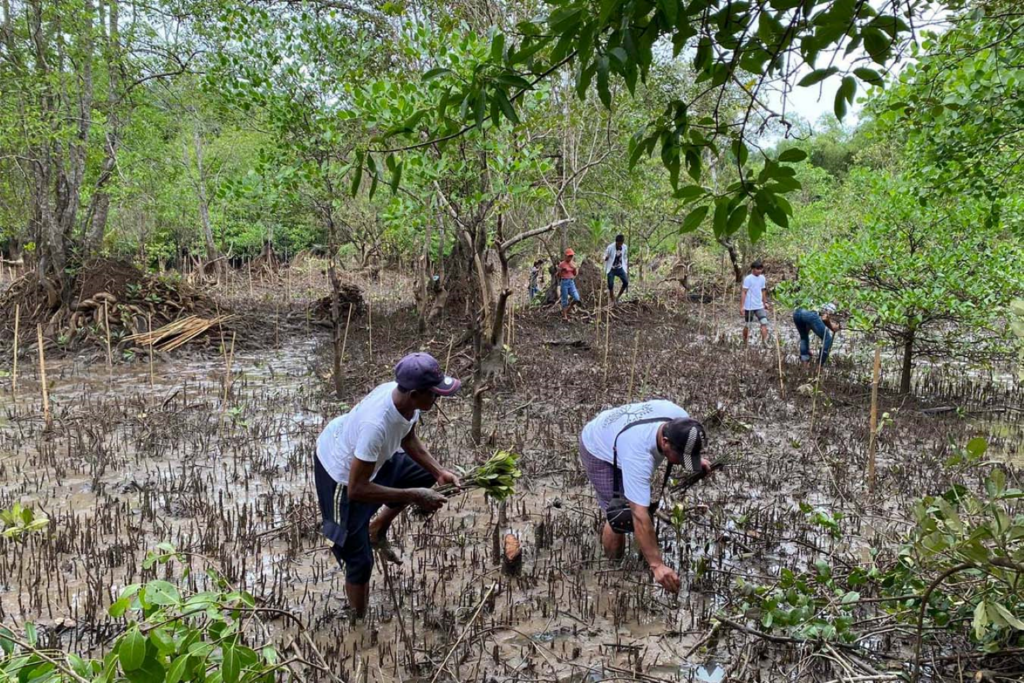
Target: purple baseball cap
(419, 371)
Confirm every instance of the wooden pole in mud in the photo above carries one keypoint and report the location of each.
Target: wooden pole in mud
(47, 418)
(607, 328)
(344, 342)
(597, 318)
(778, 352)
(632, 368)
(106, 327)
(369, 325)
(448, 358)
(14, 364)
(227, 370)
(250, 278)
(875, 375)
(149, 324)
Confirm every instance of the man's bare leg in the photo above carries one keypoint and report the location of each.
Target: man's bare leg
(358, 597)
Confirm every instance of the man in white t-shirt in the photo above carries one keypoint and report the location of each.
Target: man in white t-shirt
(371, 457)
(641, 435)
(616, 265)
(754, 302)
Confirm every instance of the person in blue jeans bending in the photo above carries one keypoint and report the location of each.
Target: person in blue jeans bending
(823, 324)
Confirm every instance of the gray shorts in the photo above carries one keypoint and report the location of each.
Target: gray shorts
(759, 316)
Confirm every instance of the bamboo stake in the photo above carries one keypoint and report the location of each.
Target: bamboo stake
(778, 352)
(149, 322)
(369, 323)
(47, 418)
(448, 358)
(607, 328)
(227, 370)
(277, 323)
(465, 630)
(876, 373)
(106, 327)
(597, 320)
(250, 278)
(632, 369)
(344, 341)
(14, 366)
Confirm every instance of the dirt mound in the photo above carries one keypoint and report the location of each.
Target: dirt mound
(350, 296)
(105, 293)
(107, 276)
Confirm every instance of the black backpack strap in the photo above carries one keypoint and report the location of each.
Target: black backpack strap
(617, 488)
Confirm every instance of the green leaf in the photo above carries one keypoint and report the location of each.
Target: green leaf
(151, 671)
(357, 178)
(793, 155)
(694, 219)
(689, 193)
(6, 644)
(977, 446)
(396, 177)
(817, 76)
(161, 593)
(670, 8)
(132, 650)
(31, 634)
(980, 620)
(602, 82)
(1008, 616)
(498, 47)
(844, 95)
(869, 76)
(176, 672)
(739, 150)
(506, 106)
(436, 73)
(230, 665)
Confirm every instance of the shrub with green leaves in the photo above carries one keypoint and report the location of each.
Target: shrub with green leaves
(169, 636)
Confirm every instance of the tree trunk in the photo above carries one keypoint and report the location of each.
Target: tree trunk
(212, 254)
(908, 362)
(734, 259)
(99, 208)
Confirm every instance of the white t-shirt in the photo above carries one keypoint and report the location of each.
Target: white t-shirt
(754, 284)
(638, 446)
(372, 431)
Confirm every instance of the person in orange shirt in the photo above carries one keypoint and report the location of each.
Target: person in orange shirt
(567, 283)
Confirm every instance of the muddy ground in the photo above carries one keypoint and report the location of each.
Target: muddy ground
(223, 468)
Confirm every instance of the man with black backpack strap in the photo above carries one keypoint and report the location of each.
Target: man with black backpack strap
(620, 450)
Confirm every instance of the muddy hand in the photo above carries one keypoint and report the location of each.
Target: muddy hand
(429, 499)
(666, 578)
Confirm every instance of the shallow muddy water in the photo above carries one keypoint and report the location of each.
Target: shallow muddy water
(227, 475)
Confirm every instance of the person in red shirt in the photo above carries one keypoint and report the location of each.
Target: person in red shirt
(567, 283)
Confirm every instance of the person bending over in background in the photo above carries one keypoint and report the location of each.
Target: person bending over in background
(616, 266)
(620, 450)
(823, 324)
(754, 302)
(567, 272)
(535, 278)
(371, 457)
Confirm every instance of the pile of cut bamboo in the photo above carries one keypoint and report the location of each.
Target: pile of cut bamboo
(177, 333)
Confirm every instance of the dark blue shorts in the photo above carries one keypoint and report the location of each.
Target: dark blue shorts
(347, 523)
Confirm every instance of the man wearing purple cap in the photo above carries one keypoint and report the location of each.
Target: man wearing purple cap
(371, 457)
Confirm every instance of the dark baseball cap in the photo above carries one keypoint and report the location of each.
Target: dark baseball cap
(687, 437)
(420, 371)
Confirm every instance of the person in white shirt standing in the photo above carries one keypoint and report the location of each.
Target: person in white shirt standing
(616, 266)
(371, 457)
(754, 301)
(620, 450)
